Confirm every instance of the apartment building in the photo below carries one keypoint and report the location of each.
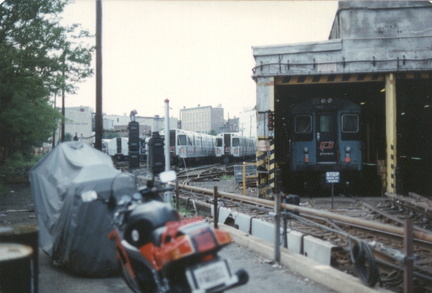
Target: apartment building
(203, 119)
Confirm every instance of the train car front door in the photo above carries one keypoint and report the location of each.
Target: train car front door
(326, 137)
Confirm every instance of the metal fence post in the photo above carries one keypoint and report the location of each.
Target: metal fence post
(409, 261)
(215, 206)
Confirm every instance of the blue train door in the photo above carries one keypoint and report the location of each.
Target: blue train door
(326, 137)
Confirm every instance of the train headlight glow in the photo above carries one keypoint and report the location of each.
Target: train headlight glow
(329, 100)
(347, 154)
(323, 101)
(306, 150)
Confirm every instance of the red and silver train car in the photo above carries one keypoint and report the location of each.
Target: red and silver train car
(189, 146)
(234, 147)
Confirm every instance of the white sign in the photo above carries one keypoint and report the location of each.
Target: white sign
(263, 145)
(332, 177)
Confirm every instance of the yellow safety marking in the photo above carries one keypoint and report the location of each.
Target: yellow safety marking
(271, 177)
(391, 133)
(262, 178)
(332, 78)
(414, 75)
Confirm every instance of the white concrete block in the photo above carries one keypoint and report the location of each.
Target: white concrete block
(295, 241)
(223, 214)
(263, 230)
(243, 222)
(317, 249)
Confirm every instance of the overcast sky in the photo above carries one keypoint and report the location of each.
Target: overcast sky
(192, 53)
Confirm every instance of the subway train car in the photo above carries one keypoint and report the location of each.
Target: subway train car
(191, 147)
(234, 147)
(117, 148)
(325, 136)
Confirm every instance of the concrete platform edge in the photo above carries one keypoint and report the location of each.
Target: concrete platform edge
(322, 274)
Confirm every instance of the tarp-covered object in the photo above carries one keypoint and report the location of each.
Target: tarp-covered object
(74, 233)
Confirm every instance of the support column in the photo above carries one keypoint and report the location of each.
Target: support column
(265, 143)
(272, 169)
(391, 133)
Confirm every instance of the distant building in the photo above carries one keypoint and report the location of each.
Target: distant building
(147, 124)
(78, 121)
(203, 119)
(232, 125)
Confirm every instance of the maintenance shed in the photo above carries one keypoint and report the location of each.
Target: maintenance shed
(378, 56)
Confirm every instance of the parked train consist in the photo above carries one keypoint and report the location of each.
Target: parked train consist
(189, 146)
(193, 147)
(325, 137)
(234, 147)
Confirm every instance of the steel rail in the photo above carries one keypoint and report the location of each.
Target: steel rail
(390, 217)
(420, 235)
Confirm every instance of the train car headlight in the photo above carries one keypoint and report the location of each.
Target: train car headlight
(305, 150)
(347, 154)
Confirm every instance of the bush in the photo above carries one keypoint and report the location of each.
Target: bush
(226, 177)
(17, 164)
(3, 189)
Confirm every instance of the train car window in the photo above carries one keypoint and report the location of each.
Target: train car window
(172, 138)
(181, 139)
(326, 123)
(235, 142)
(219, 142)
(350, 127)
(350, 123)
(303, 124)
(227, 138)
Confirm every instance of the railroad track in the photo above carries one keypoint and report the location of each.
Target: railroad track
(376, 242)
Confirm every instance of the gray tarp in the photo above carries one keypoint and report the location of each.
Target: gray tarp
(71, 232)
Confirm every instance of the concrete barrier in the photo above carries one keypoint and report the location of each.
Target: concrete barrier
(323, 274)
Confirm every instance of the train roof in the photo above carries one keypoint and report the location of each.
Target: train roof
(190, 132)
(366, 37)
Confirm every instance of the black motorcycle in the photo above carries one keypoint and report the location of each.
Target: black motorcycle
(158, 250)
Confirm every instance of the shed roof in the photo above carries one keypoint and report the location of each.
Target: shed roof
(366, 37)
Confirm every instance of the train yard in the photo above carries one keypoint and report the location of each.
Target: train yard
(367, 235)
(341, 154)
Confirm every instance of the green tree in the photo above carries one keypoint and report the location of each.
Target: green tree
(40, 58)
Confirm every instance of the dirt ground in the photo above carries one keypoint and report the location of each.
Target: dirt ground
(226, 185)
(16, 205)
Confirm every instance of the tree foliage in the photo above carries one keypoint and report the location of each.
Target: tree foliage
(40, 58)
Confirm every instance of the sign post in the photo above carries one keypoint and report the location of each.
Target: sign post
(332, 177)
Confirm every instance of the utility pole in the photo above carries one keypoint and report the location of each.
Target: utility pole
(98, 115)
(167, 137)
(62, 138)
